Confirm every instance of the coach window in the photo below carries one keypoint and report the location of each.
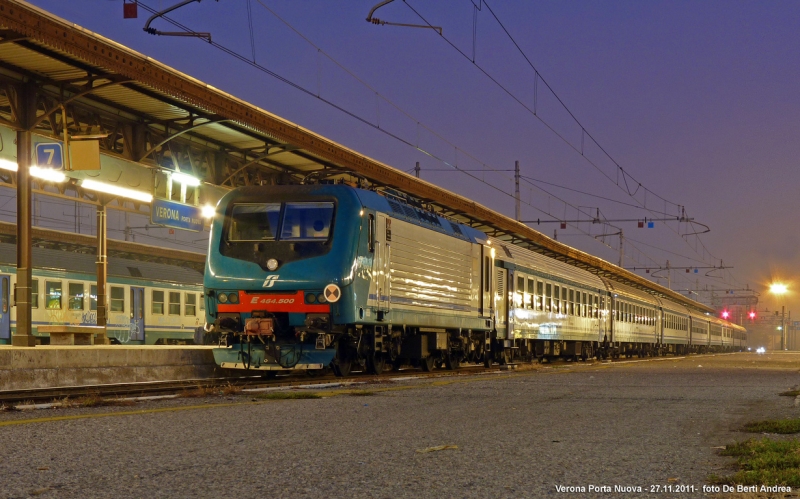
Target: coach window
(539, 295)
(564, 309)
(571, 302)
(53, 295)
(34, 293)
(548, 301)
(191, 304)
(519, 300)
(202, 305)
(596, 306)
(93, 297)
(76, 296)
(584, 304)
(531, 294)
(556, 301)
(117, 299)
(157, 302)
(174, 303)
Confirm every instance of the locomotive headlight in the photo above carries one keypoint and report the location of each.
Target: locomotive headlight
(272, 264)
(321, 298)
(310, 297)
(233, 297)
(222, 297)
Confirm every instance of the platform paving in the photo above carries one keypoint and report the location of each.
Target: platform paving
(51, 366)
(516, 434)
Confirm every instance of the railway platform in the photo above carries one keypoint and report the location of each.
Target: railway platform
(66, 365)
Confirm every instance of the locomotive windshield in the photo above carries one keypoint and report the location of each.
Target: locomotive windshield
(309, 221)
(254, 222)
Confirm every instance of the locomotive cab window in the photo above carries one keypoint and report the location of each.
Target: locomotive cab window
(306, 221)
(254, 222)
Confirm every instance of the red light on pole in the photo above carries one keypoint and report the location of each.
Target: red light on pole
(752, 316)
(725, 314)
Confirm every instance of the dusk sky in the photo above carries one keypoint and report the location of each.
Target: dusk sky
(698, 101)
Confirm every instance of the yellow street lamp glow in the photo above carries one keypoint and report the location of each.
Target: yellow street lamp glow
(115, 190)
(778, 289)
(208, 211)
(47, 174)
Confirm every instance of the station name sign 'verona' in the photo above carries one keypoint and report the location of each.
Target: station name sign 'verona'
(176, 215)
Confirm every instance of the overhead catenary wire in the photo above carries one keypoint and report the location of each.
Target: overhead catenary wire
(579, 150)
(368, 122)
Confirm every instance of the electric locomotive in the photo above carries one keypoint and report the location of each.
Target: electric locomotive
(307, 276)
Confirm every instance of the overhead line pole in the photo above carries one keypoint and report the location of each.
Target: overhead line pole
(516, 191)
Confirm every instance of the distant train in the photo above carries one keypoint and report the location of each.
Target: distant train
(149, 303)
(310, 276)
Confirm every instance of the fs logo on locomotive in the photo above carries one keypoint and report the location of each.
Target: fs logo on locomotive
(270, 281)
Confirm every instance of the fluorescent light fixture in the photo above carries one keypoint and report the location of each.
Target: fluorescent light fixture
(115, 190)
(208, 211)
(185, 179)
(47, 174)
(8, 165)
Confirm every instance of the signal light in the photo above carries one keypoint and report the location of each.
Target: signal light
(752, 315)
(725, 314)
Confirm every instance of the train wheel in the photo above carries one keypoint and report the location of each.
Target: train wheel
(342, 368)
(427, 364)
(451, 361)
(375, 364)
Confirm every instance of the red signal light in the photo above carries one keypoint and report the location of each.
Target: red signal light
(752, 315)
(725, 314)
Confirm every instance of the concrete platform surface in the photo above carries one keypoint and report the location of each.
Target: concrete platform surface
(65, 365)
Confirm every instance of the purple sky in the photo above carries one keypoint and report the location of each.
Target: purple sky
(696, 100)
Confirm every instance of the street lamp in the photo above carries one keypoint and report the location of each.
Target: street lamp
(779, 290)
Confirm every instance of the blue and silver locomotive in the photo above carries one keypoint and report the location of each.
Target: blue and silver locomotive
(307, 276)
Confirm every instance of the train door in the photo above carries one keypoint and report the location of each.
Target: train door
(383, 242)
(137, 314)
(5, 307)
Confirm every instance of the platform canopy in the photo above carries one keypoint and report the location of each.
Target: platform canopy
(160, 118)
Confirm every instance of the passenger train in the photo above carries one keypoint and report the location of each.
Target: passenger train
(149, 303)
(310, 276)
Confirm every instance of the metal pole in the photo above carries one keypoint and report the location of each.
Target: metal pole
(416, 170)
(102, 262)
(783, 327)
(621, 250)
(23, 335)
(516, 189)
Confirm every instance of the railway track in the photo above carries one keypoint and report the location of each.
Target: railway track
(10, 398)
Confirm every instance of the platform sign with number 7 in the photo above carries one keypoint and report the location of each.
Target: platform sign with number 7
(50, 155)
